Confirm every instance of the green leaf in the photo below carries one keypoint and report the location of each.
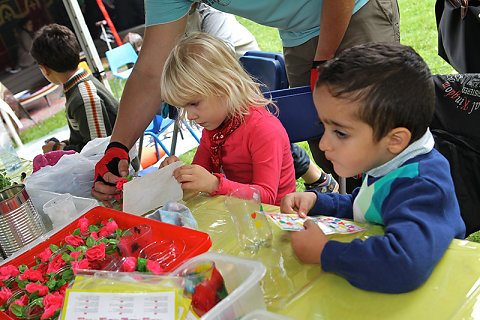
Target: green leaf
(17, 309)
(90, 242)
(111, 250)
(110, 220)
(141, 264)
(93, 228)
(67, 275)
(60, 283)
(81, 248)
(22, 268)
(119, 232)
(71, 248)
(76, 232)
(67, 258)
(51, 284)
(22, 283)
(38, 301)
(33, 296)
(54, 248)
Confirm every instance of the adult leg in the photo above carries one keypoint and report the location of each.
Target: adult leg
(298, 61)
(377, 21)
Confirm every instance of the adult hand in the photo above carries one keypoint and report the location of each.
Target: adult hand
(308, 244)
(314, 73)
(168, 160)
(196, 178)
(112, 166)
(298, 203)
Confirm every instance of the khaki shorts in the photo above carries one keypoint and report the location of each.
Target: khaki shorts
(377, 20)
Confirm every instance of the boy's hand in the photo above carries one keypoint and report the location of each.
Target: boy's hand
(196, 178)
(298, 202)
(308, 244)
(168, 160)
(47, 147)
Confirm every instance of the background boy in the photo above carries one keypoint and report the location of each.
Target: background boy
(376, 102)
(90, 108)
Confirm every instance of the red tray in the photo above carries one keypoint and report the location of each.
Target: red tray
(196, 242)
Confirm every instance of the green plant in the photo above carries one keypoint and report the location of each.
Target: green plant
(5, 181)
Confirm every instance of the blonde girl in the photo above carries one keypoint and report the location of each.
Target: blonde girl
(242, 142)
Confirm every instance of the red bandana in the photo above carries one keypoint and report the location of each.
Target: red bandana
(217, 139)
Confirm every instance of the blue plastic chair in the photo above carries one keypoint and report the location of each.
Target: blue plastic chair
(119, 58)
(268, 71)
(275, 56)
(158, 125)
(297, 113)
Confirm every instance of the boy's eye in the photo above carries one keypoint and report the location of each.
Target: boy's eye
(340, 134)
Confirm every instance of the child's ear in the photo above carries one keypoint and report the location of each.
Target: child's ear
(45, 69)
(399, 139)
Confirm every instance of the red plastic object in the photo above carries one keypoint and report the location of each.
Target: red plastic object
(196, 242)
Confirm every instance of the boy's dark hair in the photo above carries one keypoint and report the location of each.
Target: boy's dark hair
(391, 82)
(55, 46)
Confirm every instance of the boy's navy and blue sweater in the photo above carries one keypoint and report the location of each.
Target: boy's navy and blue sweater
(421, 217)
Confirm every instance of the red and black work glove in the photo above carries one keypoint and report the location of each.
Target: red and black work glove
(109, 163)
(314, 72)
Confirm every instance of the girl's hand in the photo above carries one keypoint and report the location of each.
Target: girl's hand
(298, 202)
(308, 244)
(196, 178)
(168, 161)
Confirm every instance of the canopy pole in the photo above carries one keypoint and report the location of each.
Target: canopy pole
(86, 41)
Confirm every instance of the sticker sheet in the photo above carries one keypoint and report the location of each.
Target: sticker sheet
(329, 225)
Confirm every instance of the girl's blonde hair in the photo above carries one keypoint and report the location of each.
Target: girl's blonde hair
(203, 65)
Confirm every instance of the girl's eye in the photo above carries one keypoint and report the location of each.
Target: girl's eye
(192, 104)
(340, 134)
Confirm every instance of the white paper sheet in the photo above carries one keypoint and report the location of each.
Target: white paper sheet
(152, 191)
(120, 306)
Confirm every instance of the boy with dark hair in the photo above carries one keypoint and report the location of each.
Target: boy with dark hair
(90, 108)
(376, 102)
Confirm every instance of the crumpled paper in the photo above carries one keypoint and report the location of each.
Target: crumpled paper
(152, 190)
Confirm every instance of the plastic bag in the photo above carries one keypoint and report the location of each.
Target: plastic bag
(175, 213)
(73, 173)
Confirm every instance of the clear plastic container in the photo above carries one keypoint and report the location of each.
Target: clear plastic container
(264, 315)
(8, 156)
(242, 280)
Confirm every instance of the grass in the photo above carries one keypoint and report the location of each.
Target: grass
(44, 127)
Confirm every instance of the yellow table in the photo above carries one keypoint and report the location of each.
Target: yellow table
(15, 175)
(306, 292)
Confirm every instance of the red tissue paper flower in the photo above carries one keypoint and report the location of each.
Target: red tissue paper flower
(8, 271)
(74, 241)
(130, 264)
(83, 225)
(5, 294)
(46, 254)
(56, 263)
(154, 266)
(32, 275)
(96, 252)
(32, 287)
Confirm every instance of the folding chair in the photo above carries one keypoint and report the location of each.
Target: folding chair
(298, 116)
(118, 59)
(266, 67)
(160, 123)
